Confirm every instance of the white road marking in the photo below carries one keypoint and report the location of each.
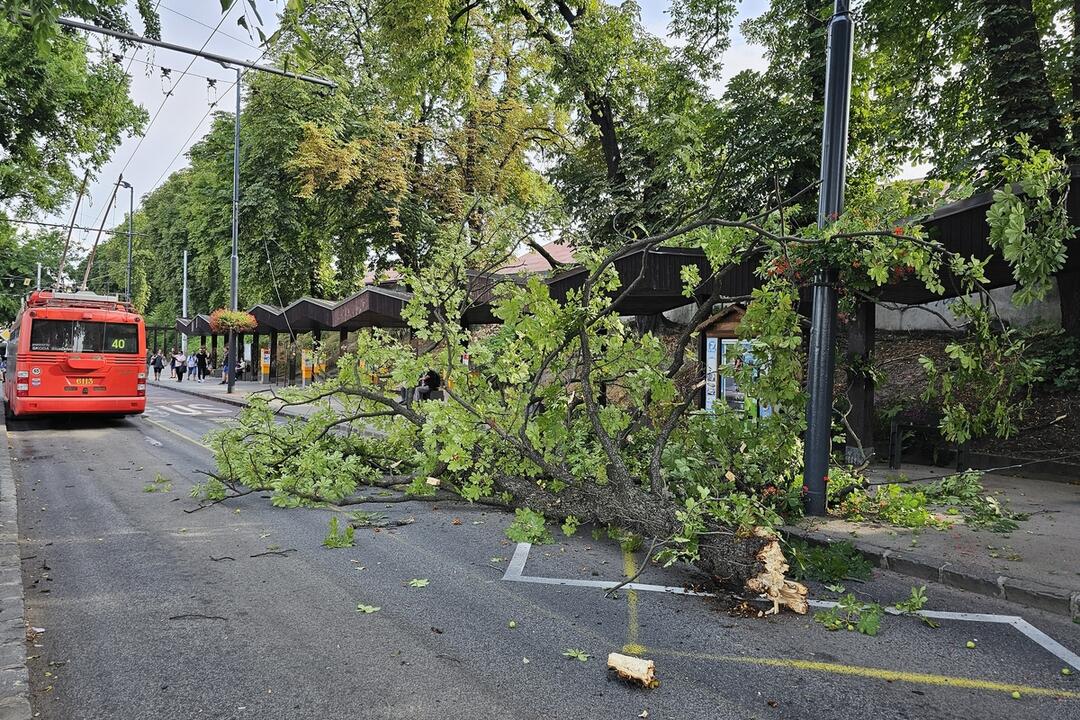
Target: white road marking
(521, 554)
(152, 441)
(194, 409)
(210, 409)
(515, 572)
(168, 429)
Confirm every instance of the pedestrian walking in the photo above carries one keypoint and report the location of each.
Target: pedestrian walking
(158, 364)
(180, 363)
(202, 361)
(172, 364)
(192, 366)
(225, 367)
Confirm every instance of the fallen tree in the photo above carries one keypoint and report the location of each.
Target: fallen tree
(564, 414)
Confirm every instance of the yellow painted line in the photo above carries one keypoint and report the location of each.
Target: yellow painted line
(633, 625)
(177, 433)
(879, 674)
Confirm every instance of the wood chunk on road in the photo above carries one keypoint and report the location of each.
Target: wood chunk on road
(632, 668)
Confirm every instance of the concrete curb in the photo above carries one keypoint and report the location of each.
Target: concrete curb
(1049, 598)
(14, 675)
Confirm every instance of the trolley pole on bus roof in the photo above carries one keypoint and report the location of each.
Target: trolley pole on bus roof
(821, 361)
(97, 238)
(131, 215)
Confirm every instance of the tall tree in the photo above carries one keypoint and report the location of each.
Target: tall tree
(60, 112)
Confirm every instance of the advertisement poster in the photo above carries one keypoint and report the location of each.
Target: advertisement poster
(306, 366)
(265, 362)
(734, 353)
(711, 357)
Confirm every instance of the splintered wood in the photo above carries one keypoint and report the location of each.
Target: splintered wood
(782, 592)
(633, 669)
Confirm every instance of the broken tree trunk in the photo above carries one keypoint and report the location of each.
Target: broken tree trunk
(753, 563)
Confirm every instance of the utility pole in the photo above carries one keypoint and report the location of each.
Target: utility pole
(38, 286)
(131, 216)
(821, 362)
(183, 303)
(234, 266)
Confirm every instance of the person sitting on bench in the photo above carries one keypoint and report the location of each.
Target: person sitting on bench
(428, 384)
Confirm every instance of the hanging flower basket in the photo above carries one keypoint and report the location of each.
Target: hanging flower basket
(222, 321)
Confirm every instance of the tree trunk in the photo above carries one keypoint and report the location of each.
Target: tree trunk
(1074, 76)
(1069, 300)
(752, 564)
(860, 352)
(1017, 76)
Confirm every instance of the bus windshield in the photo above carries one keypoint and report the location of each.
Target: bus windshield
(84, 336)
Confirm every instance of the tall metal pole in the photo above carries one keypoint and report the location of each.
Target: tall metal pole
(235, 259)
(131, 215)
(822, 362)
(183, 303)
(38, 286)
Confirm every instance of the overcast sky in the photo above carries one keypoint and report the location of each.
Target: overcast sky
(183, 119)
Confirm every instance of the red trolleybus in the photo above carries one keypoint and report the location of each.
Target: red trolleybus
(76, 353)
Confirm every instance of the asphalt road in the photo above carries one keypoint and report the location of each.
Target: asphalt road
(237, 611)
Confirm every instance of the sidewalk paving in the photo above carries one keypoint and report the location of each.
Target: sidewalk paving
(1038, 564)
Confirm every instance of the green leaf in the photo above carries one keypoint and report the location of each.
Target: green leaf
(419, 582)
(367, 609)
(577, 654)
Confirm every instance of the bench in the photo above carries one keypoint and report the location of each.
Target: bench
(927, 423)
